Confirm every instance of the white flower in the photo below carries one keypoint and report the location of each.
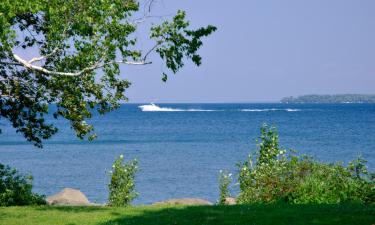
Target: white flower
(121, 156)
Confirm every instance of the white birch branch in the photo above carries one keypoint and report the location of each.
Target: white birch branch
(97, 65)
(35, 59)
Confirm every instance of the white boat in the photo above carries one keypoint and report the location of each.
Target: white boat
(154, 108)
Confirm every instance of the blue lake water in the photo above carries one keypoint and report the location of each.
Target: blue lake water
(182, 147)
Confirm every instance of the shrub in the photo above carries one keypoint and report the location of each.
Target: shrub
(16, 189)
(121, 187)
(224, 181)
(274, 174)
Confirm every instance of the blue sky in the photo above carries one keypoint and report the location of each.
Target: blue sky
(267, 49)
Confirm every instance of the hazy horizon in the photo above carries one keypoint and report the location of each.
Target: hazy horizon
(239, 102)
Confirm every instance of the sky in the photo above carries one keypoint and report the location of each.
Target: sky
(264, 50)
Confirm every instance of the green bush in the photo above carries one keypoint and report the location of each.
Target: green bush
(16, 189)
(224, 181)
(274, 174)
(121, 187)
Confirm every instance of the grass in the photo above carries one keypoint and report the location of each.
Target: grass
(277, 214)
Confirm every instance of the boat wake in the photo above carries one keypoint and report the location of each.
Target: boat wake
(155, 108)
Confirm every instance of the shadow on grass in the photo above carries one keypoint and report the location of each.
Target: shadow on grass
(279, 214)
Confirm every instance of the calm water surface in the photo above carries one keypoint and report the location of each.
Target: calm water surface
(182, 147)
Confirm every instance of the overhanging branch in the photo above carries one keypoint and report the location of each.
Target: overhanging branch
(36, 59)
(19, 61)
(97, 65)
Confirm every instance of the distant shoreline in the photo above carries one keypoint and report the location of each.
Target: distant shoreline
(331, 99)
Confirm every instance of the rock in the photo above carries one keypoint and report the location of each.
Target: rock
(184, 201)
(68, 197)
(230, 201)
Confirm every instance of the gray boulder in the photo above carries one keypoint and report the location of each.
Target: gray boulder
(184, 201)
(68, 197)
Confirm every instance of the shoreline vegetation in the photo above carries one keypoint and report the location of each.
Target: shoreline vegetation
(338, 98)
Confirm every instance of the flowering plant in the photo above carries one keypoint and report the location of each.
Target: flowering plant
(121, 186)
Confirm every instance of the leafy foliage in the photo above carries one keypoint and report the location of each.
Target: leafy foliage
(15, 189)
(121, 187)
(279, 175)
(224, 181)
(76, 41)
(175, 41)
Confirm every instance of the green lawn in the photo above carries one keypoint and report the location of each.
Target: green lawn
(215, 215)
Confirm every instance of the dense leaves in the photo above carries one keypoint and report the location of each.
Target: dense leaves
(174, 41)
(15, 188)
(122, 186)
(80, 45)
(276, 175)
(224, 181)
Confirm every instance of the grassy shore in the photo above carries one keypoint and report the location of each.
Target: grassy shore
(277, 214)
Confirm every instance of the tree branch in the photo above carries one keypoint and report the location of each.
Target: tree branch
(29, 64)
(150, 5)
(145, 17)
(97, 65)
(35, 59)
(10, 63)
(152, 49)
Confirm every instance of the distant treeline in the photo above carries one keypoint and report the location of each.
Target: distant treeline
(342, 98)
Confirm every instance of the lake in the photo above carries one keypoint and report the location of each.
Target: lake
(182, 147)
